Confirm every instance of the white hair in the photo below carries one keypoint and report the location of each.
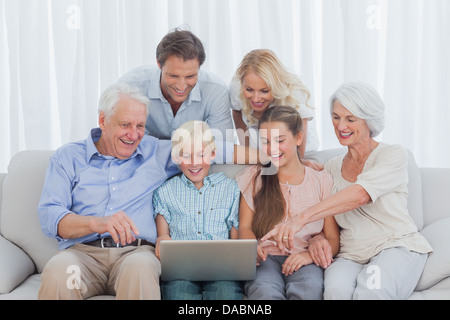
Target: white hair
(363, 102)
(111, 96)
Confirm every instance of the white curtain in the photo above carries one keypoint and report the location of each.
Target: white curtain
(56, 56)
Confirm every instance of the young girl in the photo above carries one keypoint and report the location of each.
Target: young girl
(270, 195)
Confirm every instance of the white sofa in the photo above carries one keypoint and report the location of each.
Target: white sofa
(24, 249)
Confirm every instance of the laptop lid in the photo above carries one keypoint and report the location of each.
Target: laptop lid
(208, 260)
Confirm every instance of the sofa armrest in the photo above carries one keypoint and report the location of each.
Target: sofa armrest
(15, 266)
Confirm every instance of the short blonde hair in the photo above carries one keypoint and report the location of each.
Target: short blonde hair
(192, 133)
(281, 82)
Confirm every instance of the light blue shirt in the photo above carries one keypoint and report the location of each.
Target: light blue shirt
(80, 180)
(208, 101)
(205, 214)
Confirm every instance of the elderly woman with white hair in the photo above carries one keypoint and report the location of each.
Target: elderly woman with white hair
(382, 254)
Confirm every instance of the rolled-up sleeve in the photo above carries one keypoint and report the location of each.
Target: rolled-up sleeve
(56, 199)
(388, 174)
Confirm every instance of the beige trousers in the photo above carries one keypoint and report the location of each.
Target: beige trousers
(83, 271)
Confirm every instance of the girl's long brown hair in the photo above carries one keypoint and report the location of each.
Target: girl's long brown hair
(269, 202)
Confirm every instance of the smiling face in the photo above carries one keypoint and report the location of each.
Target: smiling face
(349, 129)
(278, 143)
(257, 93)
(178, 78)
(195, 161)
(123, 130)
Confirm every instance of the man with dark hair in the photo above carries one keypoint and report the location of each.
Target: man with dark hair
(178, 90)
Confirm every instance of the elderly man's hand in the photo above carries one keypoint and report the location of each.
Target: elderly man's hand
(120, 226)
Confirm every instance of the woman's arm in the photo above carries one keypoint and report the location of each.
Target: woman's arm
(345, 200)
(241, 127)
(332, 234)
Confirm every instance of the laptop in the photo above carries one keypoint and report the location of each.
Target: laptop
(208, 260)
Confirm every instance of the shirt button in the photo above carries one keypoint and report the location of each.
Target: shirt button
(200, 192)
(199, 212)
(114, 188)
(112, 178)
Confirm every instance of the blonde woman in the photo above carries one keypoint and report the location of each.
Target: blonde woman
(261, 82)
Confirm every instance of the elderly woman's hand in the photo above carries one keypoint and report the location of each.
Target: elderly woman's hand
(283, 233)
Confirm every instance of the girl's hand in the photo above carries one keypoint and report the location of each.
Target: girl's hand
(295, 262)
(320, 251)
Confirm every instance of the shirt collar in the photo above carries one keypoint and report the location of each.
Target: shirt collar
(210, 180)
(91, 149)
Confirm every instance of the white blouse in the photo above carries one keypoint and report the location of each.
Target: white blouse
(385, 222)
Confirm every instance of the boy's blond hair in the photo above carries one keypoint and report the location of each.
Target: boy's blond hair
(190, 134)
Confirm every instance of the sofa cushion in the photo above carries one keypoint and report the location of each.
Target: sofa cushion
(15, 266)
(19, 221)
(438, 264)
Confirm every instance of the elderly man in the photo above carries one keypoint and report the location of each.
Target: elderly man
(97, 202)
(179, 91)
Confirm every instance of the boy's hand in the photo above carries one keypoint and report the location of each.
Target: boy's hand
(261, 254)
(163, 237)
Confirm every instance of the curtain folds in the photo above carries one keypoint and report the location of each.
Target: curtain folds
(56, 57)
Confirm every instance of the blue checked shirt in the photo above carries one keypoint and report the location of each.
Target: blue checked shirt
(205, 214)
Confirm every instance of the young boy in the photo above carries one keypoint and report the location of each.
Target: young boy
(197, 206)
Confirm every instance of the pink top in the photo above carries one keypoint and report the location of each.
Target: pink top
(315, 187)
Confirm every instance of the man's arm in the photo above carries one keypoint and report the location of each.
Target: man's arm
(120, 226)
